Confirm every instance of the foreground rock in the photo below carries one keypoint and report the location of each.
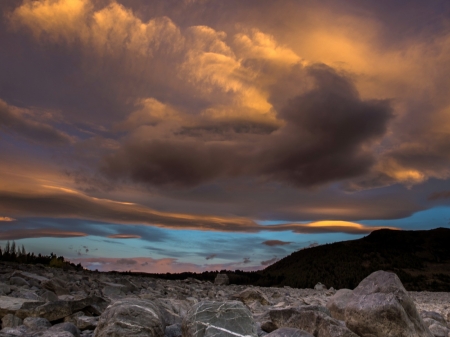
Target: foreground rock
(379, 307)
(131, 317)
(219, 319)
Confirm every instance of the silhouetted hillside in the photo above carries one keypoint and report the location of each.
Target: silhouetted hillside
(420, 258)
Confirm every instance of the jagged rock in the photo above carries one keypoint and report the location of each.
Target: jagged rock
(320, 286)
(11, 321)
(338, 302)
(222, 280)
(36, 323)
(439, 330)
(268, 326)
(131, 317)
(30, 276)
(54, 310)
(315, 320)
(173, 330)
(67, 327)
(58, 286)
(381, 307)
(114, 290)
(18, 281)
(17, 306)
(47, 295)
(289, 332)
(218, 319)
(250, 295)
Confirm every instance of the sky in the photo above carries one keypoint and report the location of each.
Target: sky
(192, 135)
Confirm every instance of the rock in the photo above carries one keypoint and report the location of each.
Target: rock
(250, 295)
(289, 332)
(53, 310)
(268, 326)
(338, 302)
(17, 306)
(320, 286)
(114, 291)
(18, 281)
(12, 332)
(173, 330)
(221, 280)
(131, 317)
(439, 330)
(30, 276)
(36, 323)
(65, 327)
(47, 295)
(315, 320)
(218, 319)
(87, 323)
(433, 315)
(381, 307)
(11, 321)
(173, 311)
(58, 286)
(4, 289)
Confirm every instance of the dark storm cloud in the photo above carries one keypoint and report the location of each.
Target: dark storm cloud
(210, 257)
(272, 243)
(13, 120)
(325, 138)
(439, 195)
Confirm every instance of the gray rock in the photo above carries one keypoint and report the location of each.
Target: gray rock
(433, 315)
(173, 311)
(382, 307)
(315, 320)
(11, 321)
(439, 330)
(173, 330)
(218, 319)
(36, 323)
(4, 289)
(251, 295)
(47, 295)
(289, 332)
(65, 327)
(54, 310)
(131, 317)
(18, 281)
(17, 306)
(87, 323)
(320, 286)
(222, 280)
(338, 302)
(268, 326)
(18, 331)
(58, 286)
(30, 276)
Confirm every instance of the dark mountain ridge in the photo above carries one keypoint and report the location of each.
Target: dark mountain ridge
(420, 258)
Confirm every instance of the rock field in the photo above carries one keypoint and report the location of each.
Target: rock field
(49, 302)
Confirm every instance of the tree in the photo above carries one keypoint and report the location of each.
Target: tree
(23, 252)
(13, 248)
(7, 248)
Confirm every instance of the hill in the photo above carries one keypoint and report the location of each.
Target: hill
(420, 258)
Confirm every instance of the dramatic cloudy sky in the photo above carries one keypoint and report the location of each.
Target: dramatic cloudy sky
(173, 135)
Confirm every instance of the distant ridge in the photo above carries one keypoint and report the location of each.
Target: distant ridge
(420, 258)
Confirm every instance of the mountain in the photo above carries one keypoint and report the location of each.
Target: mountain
(420, 258)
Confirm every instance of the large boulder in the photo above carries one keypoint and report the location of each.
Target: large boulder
(219, 319)
(17, 306)
(381, 307)
(131, 317)
(315, 320)
(338, 302)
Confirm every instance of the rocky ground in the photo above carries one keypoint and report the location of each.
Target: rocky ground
(50, 302)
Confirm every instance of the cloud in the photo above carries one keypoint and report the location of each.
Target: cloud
(124, 236)
(128, 262)
(272, 243)
(210, 257)
(38, 233)
(246, 260)
(6, 219)
(269, 262)
(21, 121)
(439, 195)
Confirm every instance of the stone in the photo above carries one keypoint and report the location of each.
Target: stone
(439, 330)
(250, 295)
(11, 321)
(173, 311)
(87, 323)
(268, 326)
(65, 327)
(18, 281)
(219, 319)
(54, 310)
(4, 289)
(47, 295)
(289, 332)
(315, 320)
(338, 302)
(30, 276)
(221, 280)
(433, 315)
(320, 286)
(131, 317)
(58, 286)
(36, 323)
(173, 330)
(381, 307)
(17, 306)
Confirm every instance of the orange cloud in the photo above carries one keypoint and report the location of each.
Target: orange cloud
(38, 233)
(124, 236)
(7, 219)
